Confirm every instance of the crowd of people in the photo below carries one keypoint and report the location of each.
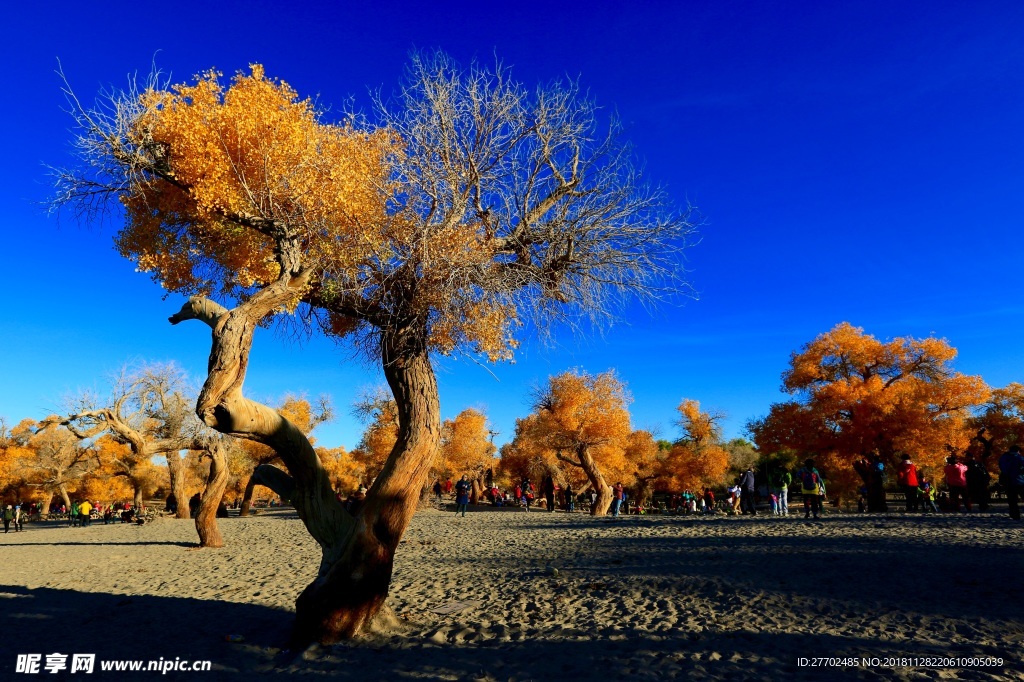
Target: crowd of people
(967, 485)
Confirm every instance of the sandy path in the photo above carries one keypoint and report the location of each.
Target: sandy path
(641, 598)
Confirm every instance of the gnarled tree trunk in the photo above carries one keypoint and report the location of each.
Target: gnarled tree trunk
(604, 491)
(247, 497)
(216, 483)
(177, 470)
(348, 595)
(47, 501)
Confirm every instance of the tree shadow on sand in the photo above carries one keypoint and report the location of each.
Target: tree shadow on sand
(145, 628)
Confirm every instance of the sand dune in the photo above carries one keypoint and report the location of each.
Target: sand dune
(539, 596)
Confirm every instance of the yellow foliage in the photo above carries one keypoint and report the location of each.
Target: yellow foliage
(465, 445)
(238, 154)
(345, 472)
(857, 395)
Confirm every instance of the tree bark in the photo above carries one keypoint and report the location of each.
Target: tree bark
(47, 501)
(247, 497)
(137, 497)
(177, 471)
(216, 483)
(604, 491)
(348, 597)
(64, 496)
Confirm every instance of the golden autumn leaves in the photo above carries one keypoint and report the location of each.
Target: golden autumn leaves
(229, 168)
(581, 427)
(855, 395)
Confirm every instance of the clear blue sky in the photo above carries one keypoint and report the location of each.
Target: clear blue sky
(858, 161)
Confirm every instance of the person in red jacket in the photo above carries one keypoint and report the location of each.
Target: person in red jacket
(956, 481)
(906, 477)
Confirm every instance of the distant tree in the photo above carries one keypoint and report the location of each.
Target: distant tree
(466, 448)
(145, 412)
(742, 454)
(856, 396)
(475, 207)
(50, 459)
(380, 413)
(999, 422)
(345, 472)
(646, 459)
(698, 459)
(582, 419)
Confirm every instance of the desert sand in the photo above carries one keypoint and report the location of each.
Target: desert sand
(510, 595)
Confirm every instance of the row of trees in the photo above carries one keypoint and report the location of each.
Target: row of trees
(144, 438)
(854, 396)
(579, 432)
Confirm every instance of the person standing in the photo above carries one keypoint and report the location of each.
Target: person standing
(782, 480)
(926, 495)
(570, 500)
(74, 514)
(462, 495)
(8, 517)
(437, 490)
(1011, 476)
(19, 518)
(617, 493)
(548, 488)
(84, 510)
(906, 478)
(749, 485)
(527, 488)
(956, 481)
(978, 480)
(810, 488)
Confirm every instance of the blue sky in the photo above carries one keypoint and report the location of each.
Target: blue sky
(854, 161)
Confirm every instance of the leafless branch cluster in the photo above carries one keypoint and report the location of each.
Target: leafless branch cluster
(557, 198)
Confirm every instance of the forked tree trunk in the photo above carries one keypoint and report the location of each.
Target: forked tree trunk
(247, 497)
(604, 491)
(348, 595)
(477, 492)
(177, 471)
(216, 483)
(64, 496)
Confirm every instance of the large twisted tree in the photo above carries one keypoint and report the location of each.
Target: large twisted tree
(470, 208)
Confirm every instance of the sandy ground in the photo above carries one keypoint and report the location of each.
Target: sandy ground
(639, 598)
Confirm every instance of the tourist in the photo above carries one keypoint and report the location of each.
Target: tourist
(926, 492)
(437, 490)
(84, 511)
(781, 484)
(527, 492)
(8, 517)
(548, 489)
(73, 519)
(749, 486)
(978, 480)
(462, 495)
(906, 478)
(1011, 477)
(618, 494)
(773, 501)
(956, 481)
(570, 499)
(811, 488)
